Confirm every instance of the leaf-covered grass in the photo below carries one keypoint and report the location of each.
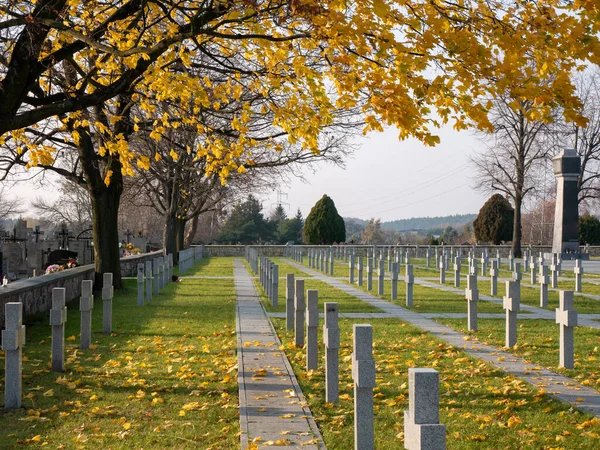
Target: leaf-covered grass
(481, 407)
(538, 342)
(213, 266)
(166, 378)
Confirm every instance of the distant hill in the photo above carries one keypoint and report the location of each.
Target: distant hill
(422, 224)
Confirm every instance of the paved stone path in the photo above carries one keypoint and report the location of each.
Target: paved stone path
(559, 386)
(271, 401)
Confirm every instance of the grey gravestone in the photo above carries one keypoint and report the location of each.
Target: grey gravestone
(422, 430)
(165, 271)
(13, 340)
(107, 296)
(554, 275)
(86, 305)
(58, 317)
(140, 284)
(511, 261)
(369, 274)
(578, 271)
(351, 270)
(544, 286)
(428, 256)
(275, 286)
(380, 275)
(312, 333)
(483, 264)
(499, 258)
(161, 277)
(494, 278)
(331, 267)
(360, 271)
(299, 314)
(457, 272)
(289, 301)
(518, 276)
(394, 293)
(442, 272)
(155, 270)
(408, 256)
(472, 295)
(511, 304)
(566, 317)
(567, 166)
(170, 256)
(533, 268)
(363, 375)
(148, 280)
(409, 280)
(331, 339)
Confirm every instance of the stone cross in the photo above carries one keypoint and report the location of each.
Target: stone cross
(322, 260)
(483, 264)
(494, 278)
(541, 259)
(275, 286)
(446, 260)
(409, 280)
(428, 256)
(299, 314)
(472, 295)
(148, 281)
(107, 296)
(369, 274)
(394, 291)
(165, 270)
(331, 272)
(161, 270)
(360, 270)
(86, 305)
(389, 259)
(499, 258)
(171, 267)
(525, 260)
(457, 272)
(140, 284)
(13, 340)
(312, 333)
(422, 430)
(442, 272)
(155, 270)
(327, 262)
(473, 269)
(578, 270)
(566, 317)
(517, 277)
(511, 304)
(511, 261)
(380, 275)
(533, 269)
(331, 339)
(544, 281)
(554, 275)
(58, 317)
(363, 375)
(408, 256)
(289, 301)
(351, 270)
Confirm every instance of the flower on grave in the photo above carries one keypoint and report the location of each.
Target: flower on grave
(52, 268)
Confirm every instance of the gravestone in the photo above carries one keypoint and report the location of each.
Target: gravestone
(299, 314)
(428, 256)
(86, 305)
(161, 269)
(533, 268)
(275, 286)
(544, 286)
(165, 271)
(351, 270)
(289, 301)
(140, 284)
(107, 296)
(517, 276)
(578, 271)
(422, 430)
(499, 259)
(472, 295)
(442, 272)
(331, 339)
(58, 317)
(511, 261)
(363, 375)
(148, 281)
(13, 340)
(360, 271)
(511, 304)
(312, 333)
(473, 269)
(494, 278)
(155, 270)
(483, 264)
(331, 267)
(380, 275)
(394, 290)
(554, 273)
(457, 272)
(566, 318)
(409, 280)
(408, 256)
(370, 274)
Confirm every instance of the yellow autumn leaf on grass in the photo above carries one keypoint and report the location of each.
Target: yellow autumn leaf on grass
(513, 422)
(93, 398)
(126, 426)
(71, 338)
(49, 393)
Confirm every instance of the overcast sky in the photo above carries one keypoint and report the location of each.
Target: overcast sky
(392, 179)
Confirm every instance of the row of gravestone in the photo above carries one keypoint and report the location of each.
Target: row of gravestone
(421, 421)
(189, 257)
(158, 273)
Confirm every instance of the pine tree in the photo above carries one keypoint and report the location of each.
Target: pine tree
(494, 222)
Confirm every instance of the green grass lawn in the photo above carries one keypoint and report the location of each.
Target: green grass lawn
(480, 406)
(166, 377)
(538, 342)
(213, 266)
(285, 268)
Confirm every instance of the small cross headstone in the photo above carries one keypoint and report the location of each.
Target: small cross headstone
(566, 317)
(331, 267)
(148, 281)
(473, 269)
(494, 278)
(331, 339)
(165, 270)
(422, 428)
(107, 296)
(442, 272)
(394, 293)
(533, 269)
(483, 264)
(312, 333)
(457, 272)
(360, 270)
(511, 304)
(554, 275)
(369, 274)
(161, 269)
(578, 271)
(13, 340)
(472, 295)
(58, 317)
(511, 261)
(407, 256)
(299, 314)
(380, 275)
(156, 273)
(409, 280)
(140, 284)
(363, 375)
(517, 276)
(275, 286)
(499, 259)
(86, 305)
(544, 281)
(428, 256)
(351, 270)
(289, 301)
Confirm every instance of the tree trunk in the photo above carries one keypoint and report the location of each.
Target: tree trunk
(105, 210)
(516, 242)
(179, 234)
(169, 242)
(189, 236)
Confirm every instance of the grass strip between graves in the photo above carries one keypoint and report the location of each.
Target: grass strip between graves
(166, 377)
(481, 406)
(212, 266)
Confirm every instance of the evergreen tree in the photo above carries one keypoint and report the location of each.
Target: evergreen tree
(247, 224)
(494, 222)
(324, 225)
(589, 230)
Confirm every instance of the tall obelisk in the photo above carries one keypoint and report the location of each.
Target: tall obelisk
(567, 166)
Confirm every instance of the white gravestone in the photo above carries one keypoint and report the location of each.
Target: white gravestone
(544, 281)
(472, 295)
(533, 269)
(289, 301)
(140, 284)
(394, 290)
(380, 275)
(351, 270)
(428, 256)
(299, 314)
(554, 277)
(422, 428)
(442, 272)
(517, 276)
(369, 274)
(312, 333)
(331, 339)
(58, 317)
(494, 278)
(511, 304)
(86, 305)
(511, 261)
(107, 296)
(148, 281)
(578, 271)
(566, 317)
(13, 340)
(363, 375)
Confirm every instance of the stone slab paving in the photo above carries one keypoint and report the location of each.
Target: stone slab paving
(271, 401)
(559, 386)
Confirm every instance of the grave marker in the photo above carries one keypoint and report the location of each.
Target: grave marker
(140, 284)
(299, 314)
(394, 293)
(544, 286)
(351, 270)
(566, 318)
(380, 275)
(331, 339)
(409, 280)
(13, 340)
(360, 271)
(107, 296)
(369, 274)
(312, 322)
(578, 271)
(155, 270)
(289, 301)
(457, 272)
(58, 317)
(494, 278)
(275, 286)
(472, 295)
(511, 304)
(148, 280)
(86, 305)
(363, 375)
(442, 272)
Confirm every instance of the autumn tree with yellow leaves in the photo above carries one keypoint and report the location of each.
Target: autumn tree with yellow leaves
(85, 72)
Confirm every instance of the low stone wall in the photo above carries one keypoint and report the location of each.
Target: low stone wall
(36, 293)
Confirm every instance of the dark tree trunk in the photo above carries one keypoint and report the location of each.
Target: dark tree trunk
(180, 234)
(517, 232)
(191, 233)
(169, 231)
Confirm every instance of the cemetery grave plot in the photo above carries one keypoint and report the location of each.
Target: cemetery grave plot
(212, 266)
(285, 268)
(481, 406)
(168, 366)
